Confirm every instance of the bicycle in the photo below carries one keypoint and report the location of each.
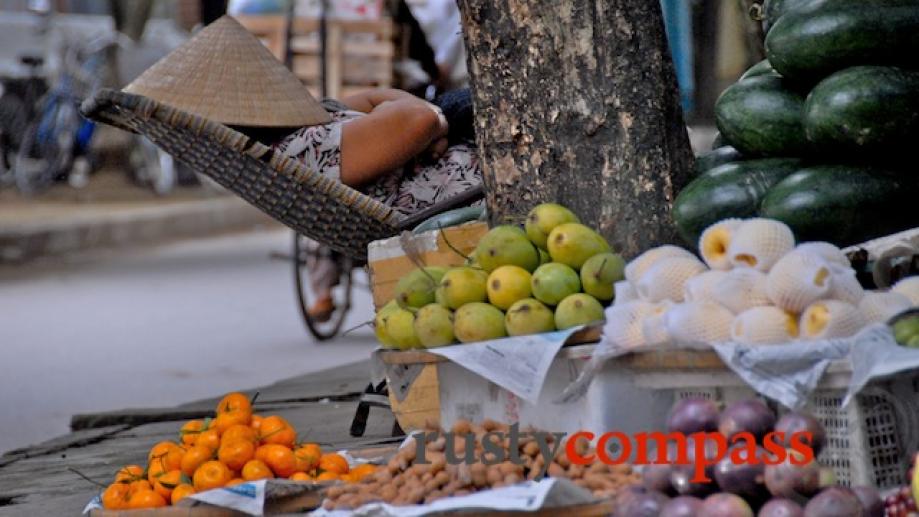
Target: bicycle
(18, 99)
(55, 144)
(304, 253)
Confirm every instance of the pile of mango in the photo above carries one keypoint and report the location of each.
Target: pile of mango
(552, 274)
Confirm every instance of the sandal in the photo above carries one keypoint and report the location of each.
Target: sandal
(322, 310)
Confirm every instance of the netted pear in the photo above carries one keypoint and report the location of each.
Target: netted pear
(400, 326)
(553, 282)
(599, 274)
(417, 288)
(434, 325)
(379, 324)
(543, 218)
(506, 245)
(573, 244)
(577, 309)
(463, 285)
(529, 316)
(506, 285)
(478, 322)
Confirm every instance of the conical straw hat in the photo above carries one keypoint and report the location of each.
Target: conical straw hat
(225, 74)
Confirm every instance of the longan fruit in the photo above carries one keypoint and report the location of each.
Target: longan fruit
(493, 475)
(479, 474)
(531, 449)
(461, 427)
(556, 470)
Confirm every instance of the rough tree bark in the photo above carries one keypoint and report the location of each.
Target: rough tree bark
(576, 101)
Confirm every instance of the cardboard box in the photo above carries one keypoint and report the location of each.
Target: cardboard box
(445, 392)
(388, 262)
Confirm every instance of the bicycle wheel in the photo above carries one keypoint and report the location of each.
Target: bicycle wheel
(46, 151)
(341, 293)
(12, 113)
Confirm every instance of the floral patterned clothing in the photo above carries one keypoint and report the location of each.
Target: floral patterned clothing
(415, 187)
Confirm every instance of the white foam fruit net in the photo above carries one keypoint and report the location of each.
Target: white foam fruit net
(760, 243)
(764, 326)
(741, 289)
(908, 287)
(701, 286)
(880, 307)
(699, 322)
(637, 267)
(797, 280)
(623, 327)
(665, 280)
(828, 252)
(715, 242)
(845, 285)
(827, 319)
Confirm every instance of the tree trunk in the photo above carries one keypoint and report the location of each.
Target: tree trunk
(577, 102)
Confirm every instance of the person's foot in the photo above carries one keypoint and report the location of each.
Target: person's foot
(322, 310)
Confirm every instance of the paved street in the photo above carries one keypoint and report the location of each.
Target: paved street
(153, 327)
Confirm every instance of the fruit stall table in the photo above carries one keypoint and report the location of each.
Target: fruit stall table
(868, 441)
(38, 480)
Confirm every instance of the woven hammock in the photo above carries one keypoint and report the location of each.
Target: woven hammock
(315, 206)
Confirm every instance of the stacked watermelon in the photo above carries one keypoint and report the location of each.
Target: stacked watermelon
(819, 134)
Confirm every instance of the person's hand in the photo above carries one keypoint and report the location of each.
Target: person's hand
(438, 147)
(443, 127)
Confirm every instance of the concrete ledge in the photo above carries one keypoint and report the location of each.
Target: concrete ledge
(55, 231)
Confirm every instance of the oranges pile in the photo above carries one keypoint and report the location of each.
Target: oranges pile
(233, 447)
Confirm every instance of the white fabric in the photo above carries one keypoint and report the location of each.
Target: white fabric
(440, 22)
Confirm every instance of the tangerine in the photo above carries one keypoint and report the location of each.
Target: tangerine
(209, 438)
(300, 476)
(167, 453)
(190, 431)
(279, 458)
(234, 408)
(195, 457)
(155, 469)
(361, 471)
(256, 422)
(140, 484)
(327, 476)
(166, 483)
(256, 469)
(307, 456)
(236, 454)
(129, 473)
(211, 474)
(238, 432)
(145, 499)
(181, 492)
(235, 481)
(115, 496)
(333, 462)
(277, 430)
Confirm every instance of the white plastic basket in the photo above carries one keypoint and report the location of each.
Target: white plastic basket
(870, 442)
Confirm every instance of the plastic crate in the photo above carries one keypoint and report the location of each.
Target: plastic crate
(870, 442)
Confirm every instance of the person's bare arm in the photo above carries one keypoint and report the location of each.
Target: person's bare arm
(368, 100)
(387, 138)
